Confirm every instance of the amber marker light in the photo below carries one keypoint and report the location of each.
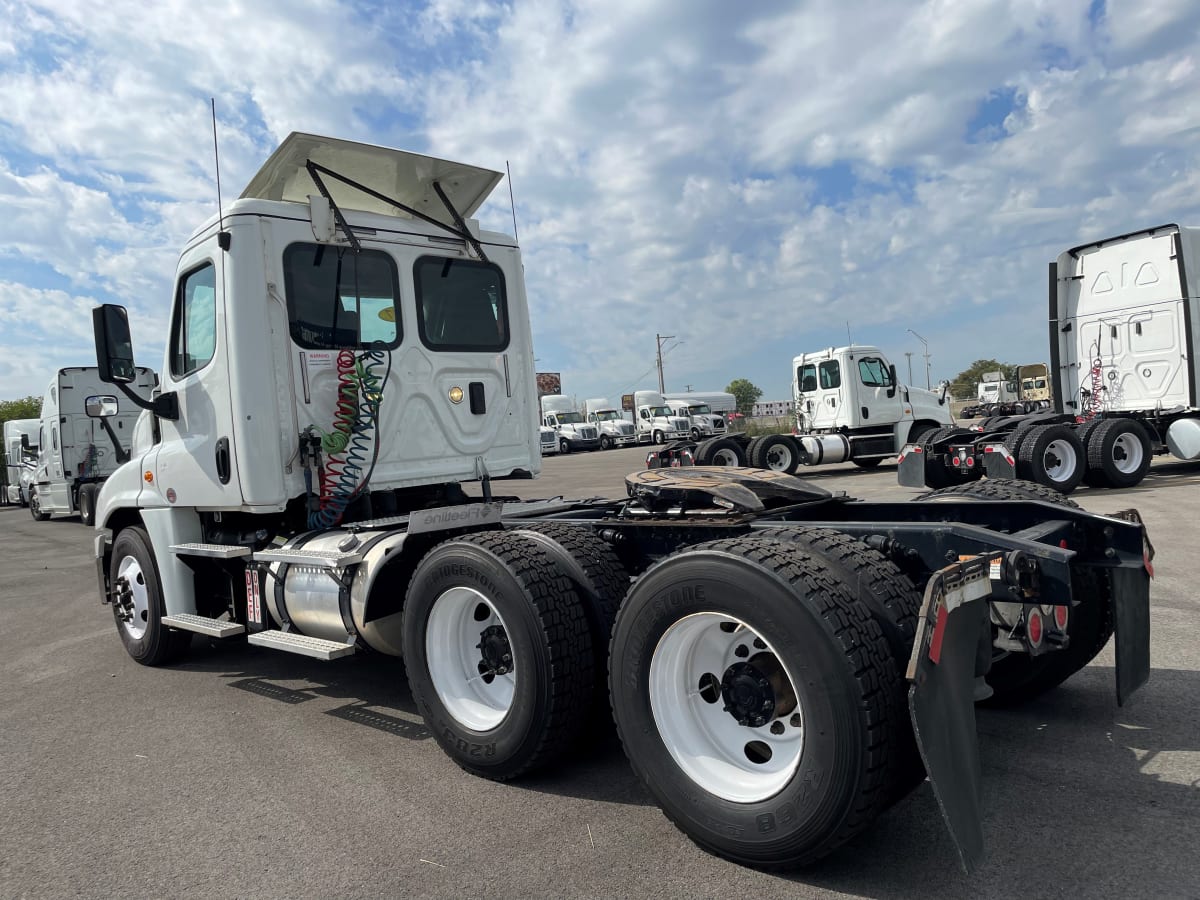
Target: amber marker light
(149, 476)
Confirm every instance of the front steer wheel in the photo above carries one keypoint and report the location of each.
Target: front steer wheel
(756, 699)
(498, 653)
(138, 604)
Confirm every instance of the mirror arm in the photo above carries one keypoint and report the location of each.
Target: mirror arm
(165, 406)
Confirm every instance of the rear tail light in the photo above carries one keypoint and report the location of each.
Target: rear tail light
(1035, 630)
(1061, 615)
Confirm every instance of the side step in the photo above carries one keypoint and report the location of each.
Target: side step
(217, 628)
(317, 648)
(319, 559)
(214, 551)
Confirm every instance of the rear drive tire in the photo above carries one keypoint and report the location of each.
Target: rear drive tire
(138, 604)
(796, 761)
(1118, 454)
(1052, 455)
(498, 653)
(776, 452)
(600, 581)
(720, 452)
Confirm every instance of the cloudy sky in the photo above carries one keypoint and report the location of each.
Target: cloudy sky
(756, 179)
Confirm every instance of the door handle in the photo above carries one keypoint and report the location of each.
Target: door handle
(222, 455)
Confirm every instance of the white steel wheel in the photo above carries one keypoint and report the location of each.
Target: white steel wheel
(1127, 453)
(470, 660)
(133, 597)
(1060, 461)
(726, 707)
(780, 458)
(724, 456)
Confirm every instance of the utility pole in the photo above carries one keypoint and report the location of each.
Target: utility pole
(662, 387)
(908, 353)
(928, 385)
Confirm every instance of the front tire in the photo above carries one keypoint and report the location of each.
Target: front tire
(605, 442)
(87, 504)
(564, 446)
(795, 761)
(498, 653)
(35, 506)
(659, 438)
(138, 603)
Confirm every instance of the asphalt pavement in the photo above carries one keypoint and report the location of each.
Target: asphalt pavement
(247, 773)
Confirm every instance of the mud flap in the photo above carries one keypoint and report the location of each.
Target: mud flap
(941, 698)
(998, 462)
(1131, 621)
(911, 471)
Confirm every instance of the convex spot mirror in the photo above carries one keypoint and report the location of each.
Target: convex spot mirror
(101, 407)
(114, 345)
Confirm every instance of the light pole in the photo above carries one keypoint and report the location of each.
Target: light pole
(662, 387)
(928, 385)
(908, 353)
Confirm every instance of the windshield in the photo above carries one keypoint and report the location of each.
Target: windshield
(569, 418)
(1027, 384)
(608, 415)
(659, 411)
(700, 409)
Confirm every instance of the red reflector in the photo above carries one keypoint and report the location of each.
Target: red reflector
(1033, 627)
(1149, 565)
(1061, 614)
(1063, 543)
(939, 632)
(988, 449)
(916, 449)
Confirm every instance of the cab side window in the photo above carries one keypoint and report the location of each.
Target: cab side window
(831, 374)
(873, 372)
(194, 322)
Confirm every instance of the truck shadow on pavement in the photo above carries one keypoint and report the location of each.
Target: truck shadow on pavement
(1081, 798)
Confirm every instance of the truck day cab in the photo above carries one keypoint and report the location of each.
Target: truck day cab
(704, 420)
(348, 349)
(655, 421)
(574, 433)
(1125, 363)
(615, 429)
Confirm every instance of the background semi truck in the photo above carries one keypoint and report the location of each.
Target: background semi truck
(707, 412)
(1125, 361)
(84, 434)
(782, 664)
(849, 407)
(1030, 392)
(655, 421)
(20, 458)
(615, 430)
(574, 432)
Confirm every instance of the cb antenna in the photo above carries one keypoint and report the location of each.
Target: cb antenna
(511, 201)
(223, 236)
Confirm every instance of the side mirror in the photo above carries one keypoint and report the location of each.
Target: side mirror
(101, 407)
(114, 345)
(892, 387)
(945, 386)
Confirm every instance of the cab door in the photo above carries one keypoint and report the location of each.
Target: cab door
(878, 403)
(195, 462)
(825, 410)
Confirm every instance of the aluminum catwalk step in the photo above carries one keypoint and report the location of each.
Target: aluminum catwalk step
(217, 628)
(290, 642)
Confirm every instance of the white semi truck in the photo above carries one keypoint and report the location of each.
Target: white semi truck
(20, 458)
(615, 429)
(348, 352)
(654, 420)
(849, 407)
(706, 413)
(84, 434)
(573, 431)
(1125, 364)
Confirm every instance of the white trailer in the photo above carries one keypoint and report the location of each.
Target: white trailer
(572, 430)
(20, 458)
(83, 436)
(615, 429)
(349, 352)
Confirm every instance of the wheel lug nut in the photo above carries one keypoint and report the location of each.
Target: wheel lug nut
(794, 721)
(776, 727)
(741, 651)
